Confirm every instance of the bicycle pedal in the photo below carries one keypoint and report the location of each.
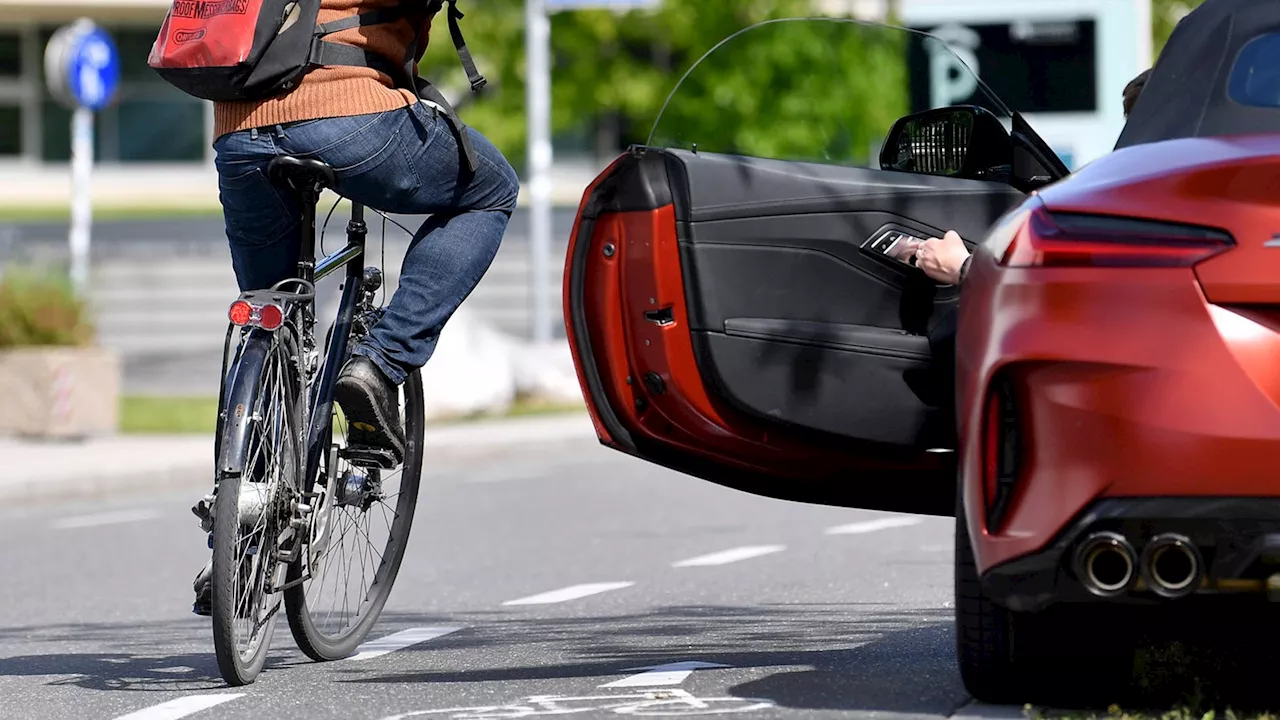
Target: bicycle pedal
(204, 511)
(369, 457)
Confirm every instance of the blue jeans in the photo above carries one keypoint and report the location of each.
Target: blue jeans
(402, 161)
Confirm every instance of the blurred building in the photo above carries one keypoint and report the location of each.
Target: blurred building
(151, 123)
(154, 142)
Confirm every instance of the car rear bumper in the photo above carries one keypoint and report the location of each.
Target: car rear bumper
(1128, 385)
(1237, 539)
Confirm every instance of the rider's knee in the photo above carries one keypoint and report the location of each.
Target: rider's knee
(508, 191)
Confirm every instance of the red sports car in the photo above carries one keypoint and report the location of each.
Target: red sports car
(1112, 435)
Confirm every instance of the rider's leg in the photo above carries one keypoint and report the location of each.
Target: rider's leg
(262, 223)
(408, 161)
(262, 220)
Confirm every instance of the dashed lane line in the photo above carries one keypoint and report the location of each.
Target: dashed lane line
(732, 555)
(573, 592)
(107, 518)
(399, 641)
(869, 526)
(180, 707)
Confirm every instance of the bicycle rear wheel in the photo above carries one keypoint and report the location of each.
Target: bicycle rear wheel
(252, 509)
(359, 531)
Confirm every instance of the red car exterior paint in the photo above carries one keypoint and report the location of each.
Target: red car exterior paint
(1132, 381)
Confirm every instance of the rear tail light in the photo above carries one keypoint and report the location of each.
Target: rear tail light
(1001, 452)
(240, 313)
(268, 317)
(1055, 239)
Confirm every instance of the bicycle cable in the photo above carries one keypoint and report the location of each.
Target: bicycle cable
(325, 226)
(383, 262)
(406, 230)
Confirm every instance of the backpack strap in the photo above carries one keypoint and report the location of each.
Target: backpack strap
(324, 52)
(455, 32)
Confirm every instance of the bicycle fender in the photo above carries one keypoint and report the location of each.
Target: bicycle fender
(242, 398)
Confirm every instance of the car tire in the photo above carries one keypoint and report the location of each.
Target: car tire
(1066, 653)
(984, 631)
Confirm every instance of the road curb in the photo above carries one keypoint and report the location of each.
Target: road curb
(44, 472)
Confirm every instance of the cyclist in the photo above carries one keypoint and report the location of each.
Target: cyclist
(391, 152)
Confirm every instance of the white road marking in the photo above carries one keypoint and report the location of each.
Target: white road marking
(977, 710)
(670, 702)
(659, 675)
(724, 557)
(181, 707)
(869, 526)
(399, 641)
(107, 518)
(573, 592)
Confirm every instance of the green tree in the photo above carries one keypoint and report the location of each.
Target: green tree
(1165, 14)
(823, 90)
(812, 89)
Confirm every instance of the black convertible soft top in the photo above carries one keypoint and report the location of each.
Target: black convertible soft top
(1203, 85)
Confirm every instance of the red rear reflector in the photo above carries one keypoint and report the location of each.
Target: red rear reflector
(1052, 239)
(993, 426)
(240, 313)
(1001, 452)
(270, 317)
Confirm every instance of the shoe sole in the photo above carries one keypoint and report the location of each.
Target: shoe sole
(353, 398)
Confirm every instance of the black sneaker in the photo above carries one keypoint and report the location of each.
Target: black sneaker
(371, 403)
(204, 591)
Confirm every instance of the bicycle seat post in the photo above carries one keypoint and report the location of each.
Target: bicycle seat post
(307, 254)
(308, 178)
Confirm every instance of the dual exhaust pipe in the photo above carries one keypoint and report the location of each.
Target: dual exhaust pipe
(1108, 565)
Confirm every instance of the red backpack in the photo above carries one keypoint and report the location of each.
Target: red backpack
(224, 50)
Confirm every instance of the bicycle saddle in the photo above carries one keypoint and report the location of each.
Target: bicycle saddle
(301, 173)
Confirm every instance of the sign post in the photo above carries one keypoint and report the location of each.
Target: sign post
(538, 107)
(82, 68)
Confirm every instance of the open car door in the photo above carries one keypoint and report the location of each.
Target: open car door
(733, 297)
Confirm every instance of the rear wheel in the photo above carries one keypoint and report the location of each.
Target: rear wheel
(359, 531)
(984, 631)
(1068, 652)
(251, 516)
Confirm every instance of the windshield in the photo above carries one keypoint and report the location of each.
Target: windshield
(814, 89)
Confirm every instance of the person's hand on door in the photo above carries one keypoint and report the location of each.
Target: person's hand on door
(942, 259)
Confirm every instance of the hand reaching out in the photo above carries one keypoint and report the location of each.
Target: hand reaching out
(941, 259)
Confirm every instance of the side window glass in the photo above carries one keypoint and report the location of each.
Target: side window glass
(1255, 77)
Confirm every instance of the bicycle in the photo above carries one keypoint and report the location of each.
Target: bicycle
(287, 487)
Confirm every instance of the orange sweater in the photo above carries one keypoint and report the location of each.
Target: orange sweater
(331, 91)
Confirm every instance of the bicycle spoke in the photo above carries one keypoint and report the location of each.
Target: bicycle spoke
(255, 604)
(345, 570)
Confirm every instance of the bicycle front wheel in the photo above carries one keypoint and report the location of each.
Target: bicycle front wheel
(252, 510)
(359, 531)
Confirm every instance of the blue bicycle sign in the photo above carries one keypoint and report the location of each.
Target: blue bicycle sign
(82, 65)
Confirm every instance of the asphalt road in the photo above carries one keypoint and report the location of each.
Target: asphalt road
(795, 610)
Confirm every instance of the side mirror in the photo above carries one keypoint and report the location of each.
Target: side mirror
(964, 141)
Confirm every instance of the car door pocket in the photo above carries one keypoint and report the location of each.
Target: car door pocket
(830, 377)
(835, 336)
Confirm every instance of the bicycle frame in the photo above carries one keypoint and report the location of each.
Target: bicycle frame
(252, 352)
(352, 258)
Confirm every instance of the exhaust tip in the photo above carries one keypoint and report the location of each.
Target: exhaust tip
(1172, 566)
(1106, 564)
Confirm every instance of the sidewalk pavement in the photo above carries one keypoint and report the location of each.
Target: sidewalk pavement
(43, 471)
(187, 185)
